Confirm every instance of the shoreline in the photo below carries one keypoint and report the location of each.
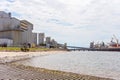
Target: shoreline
(69, 75)
(8, 59)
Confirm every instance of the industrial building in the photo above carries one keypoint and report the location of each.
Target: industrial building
(15, 32)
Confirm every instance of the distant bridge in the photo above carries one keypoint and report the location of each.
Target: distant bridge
(76, 48)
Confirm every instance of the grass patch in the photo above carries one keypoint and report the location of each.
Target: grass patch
(38, 49)
(6, 49)
(18, 49)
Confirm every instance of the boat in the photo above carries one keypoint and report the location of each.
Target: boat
(113, 45)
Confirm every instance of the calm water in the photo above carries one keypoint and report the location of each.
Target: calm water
(103, 64)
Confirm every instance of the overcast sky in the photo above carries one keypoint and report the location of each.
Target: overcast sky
(77, 22)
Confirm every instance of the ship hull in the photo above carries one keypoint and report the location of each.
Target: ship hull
(105, 49)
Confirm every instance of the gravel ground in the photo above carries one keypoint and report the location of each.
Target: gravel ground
(8, 71)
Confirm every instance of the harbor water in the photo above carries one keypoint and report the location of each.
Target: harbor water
(102, 64)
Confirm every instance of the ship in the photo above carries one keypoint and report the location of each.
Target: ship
(113, 45)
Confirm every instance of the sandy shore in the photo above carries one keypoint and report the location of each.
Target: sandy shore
(17, 71)
(14, 56)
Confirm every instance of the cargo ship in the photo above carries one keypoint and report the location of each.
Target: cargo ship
(113, 45)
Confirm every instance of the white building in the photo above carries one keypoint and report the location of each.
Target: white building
(41, 37)
(48, 40)
(34, 38)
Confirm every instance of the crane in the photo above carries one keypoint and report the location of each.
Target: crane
(117, 41)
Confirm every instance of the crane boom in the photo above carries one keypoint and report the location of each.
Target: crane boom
(117, 41)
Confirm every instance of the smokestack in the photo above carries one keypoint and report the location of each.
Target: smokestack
(9, 14)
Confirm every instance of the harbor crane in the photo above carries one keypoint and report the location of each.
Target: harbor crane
(117, 41)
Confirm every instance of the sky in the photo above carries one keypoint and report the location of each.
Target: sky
(75, 22)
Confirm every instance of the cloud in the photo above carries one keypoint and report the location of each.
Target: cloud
(10, 1)
(76, 22)
(56, 21)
